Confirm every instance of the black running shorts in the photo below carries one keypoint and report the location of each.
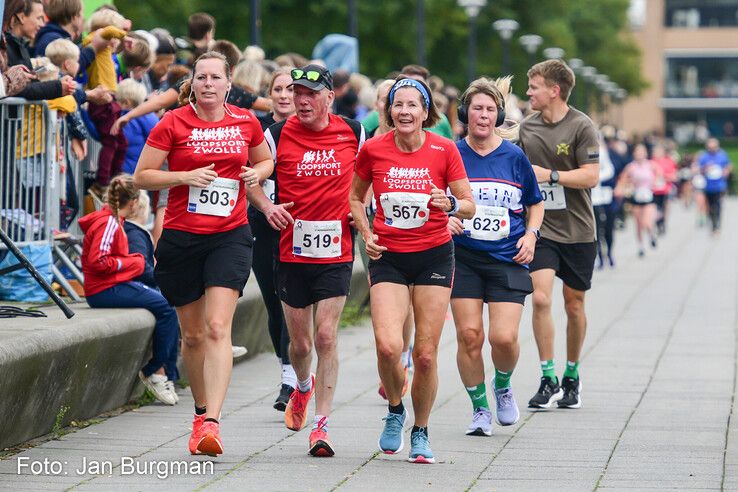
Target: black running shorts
(479, 276)
(188, 263)
(303, 284)
(434, 266)
(573, 263)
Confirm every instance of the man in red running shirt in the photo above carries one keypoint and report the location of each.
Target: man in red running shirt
(315, 153)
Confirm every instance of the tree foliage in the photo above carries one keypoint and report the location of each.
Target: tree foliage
(595, 31)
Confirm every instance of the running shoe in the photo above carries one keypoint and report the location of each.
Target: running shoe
(209, 441)
(238, 351)
(507, 408)
(548, 393)
(157, 384)
(296, 412)
(284, 396)
(481, 424)
(420, 451)
(320, 445)
(392, 440)
(405, 385)
(197, 422)
(170, 386)
(572, 389)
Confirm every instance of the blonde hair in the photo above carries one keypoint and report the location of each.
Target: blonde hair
(51, 72)
(106, 17)
(555, 72)
(61, 50)
(498, 90)
(142, 210)
(120, 192)
(133, 91)
(249, 75)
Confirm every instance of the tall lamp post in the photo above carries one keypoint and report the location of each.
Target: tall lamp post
(255, 23)
(353, 19)
(505, 28)
(420, 31)
(530, 43)
(576, 65)
(554, 53)
(472, 8)
(588, 74)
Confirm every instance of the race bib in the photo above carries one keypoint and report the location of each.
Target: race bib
(714, 172)
(642, 195)
(601, 195)
(219, 198)
(554, 197)
(699, 182)
(488, 224)
(269, 189)
(405, 210)
(317, 238)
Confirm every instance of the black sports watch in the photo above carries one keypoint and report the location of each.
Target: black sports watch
(554, 177)
(454, 204)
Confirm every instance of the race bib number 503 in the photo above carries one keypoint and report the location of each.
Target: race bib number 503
(219, 198)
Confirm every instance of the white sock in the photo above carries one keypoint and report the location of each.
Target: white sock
(406, 358)
(288, 375)
(317, 420)
(304, 386)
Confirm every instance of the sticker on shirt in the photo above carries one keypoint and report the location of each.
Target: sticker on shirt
(642, 195)
(405, 210)
(714, 172)
(601, 195)
(554, 197)
(317, 238)
(219, 198)
(488, 224)
(269, 188)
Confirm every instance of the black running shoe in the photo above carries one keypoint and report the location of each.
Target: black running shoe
(548, 393)
(572, 387)
(284, 396)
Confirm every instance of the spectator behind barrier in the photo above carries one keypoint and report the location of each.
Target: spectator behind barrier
(139, 238)
(130, 95)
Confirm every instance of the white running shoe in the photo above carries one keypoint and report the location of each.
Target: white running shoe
(481, 424)
(173, 389)
(238, 351)
(157, 384)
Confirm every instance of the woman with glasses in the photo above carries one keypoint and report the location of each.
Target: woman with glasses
(204, 253)
(409, 170)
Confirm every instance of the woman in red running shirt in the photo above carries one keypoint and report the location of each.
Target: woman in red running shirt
(204, 253)
(409, 169)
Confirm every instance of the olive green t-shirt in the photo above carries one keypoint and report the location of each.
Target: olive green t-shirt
(564, 146)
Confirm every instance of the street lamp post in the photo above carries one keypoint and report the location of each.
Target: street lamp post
(576, 65)
(420, 31)
(506, 28)
(554, 53)
(588, 74)
(472, 8)
(353, 19)
(530, 43)
(255, 23)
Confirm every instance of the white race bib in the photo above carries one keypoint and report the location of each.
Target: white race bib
(488, 224)
(554, 197)
(405, 210)
(714, 172)
(219, 198)
(699, 182)
(268, 186)
(601, 195)
(317, 238)
(642, 195)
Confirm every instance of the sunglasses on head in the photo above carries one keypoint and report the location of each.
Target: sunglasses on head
(311, 75)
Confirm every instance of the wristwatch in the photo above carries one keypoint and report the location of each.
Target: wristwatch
(536, 232)
(454, 204)
(554, 177)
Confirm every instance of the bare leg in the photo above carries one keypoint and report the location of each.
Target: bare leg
(389, 304)
(543, 327)
(327, 314)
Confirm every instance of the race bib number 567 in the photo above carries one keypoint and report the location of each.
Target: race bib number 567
(405, 210)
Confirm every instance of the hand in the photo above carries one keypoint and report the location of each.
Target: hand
(201, 177)
(98, 42)
(455, 226)
(249, 176)
(100, 95)
(278, 216)
(79, 148)
(68, 85)
(118, 125)
(373, 250)
(439, 199)
(526, 248)
(352, 222)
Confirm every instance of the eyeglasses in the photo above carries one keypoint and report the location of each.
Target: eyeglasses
(311, 75)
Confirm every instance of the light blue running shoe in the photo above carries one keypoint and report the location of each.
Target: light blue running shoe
(392, 440)
(420, 451)
(507, 408)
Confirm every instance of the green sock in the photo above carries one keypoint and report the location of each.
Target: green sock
(572, 370)
(502, 379)
(548, 369)
(478, 395)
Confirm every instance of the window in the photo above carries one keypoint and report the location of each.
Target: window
(703, 76)
(701, 13)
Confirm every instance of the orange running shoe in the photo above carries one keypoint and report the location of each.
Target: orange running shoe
(296, 413)
(320, 445)
(194, 437)
(404, 385)
(209, 442)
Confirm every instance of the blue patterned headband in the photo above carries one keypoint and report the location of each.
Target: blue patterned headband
(410, 83)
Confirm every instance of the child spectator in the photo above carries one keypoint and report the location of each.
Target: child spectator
(136, 61)
(139, 238)
(110, 270)
(130, 95)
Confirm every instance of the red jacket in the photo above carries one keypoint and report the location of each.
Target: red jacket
(105, 258)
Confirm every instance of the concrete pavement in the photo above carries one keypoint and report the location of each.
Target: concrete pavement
(658, 373)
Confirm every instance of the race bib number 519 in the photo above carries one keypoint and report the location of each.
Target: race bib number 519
(317, 238)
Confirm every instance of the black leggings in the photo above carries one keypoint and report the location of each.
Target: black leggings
(264, 263)
(714, 206)
(605, 219)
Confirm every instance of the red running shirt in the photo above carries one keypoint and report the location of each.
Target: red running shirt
(405, 221)
(315, 170)
(193, 143)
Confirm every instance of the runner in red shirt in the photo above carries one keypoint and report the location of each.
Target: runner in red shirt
(315, 153)
(409, 169)
(204, 253)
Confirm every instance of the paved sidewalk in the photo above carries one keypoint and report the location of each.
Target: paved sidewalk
(658, 372)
